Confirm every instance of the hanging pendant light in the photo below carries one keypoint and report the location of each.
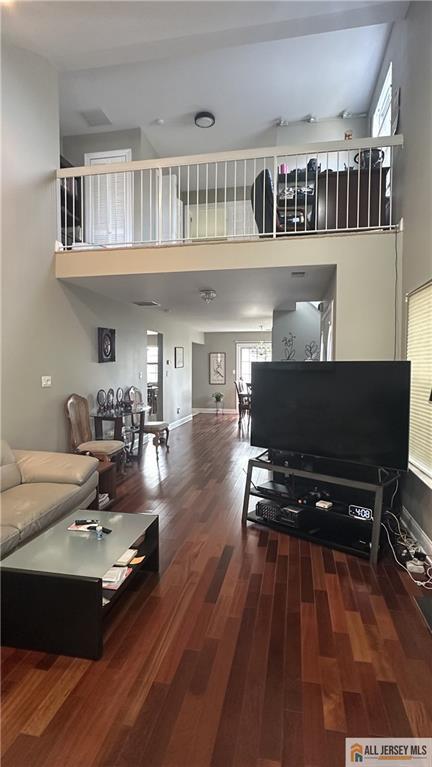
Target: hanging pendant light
(260, 348)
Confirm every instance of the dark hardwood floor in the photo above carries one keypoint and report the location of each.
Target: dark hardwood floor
(251, 649)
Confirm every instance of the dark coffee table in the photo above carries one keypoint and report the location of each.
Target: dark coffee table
(52, 596)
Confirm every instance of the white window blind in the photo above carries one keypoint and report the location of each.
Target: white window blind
(419, 351)
(109, 200)
(152, 364)
(382, 117)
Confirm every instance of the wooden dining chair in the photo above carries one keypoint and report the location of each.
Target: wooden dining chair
(80, 434)
(243, 398)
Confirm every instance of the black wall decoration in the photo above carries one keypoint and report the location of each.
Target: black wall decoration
(106, 345)
(289, 348)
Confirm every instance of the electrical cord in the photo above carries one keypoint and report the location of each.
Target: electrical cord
(425, 584)
(407, 540)
(251, 481)
(394, 494)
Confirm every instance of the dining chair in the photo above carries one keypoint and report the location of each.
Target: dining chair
(243, 398)
(80, 434)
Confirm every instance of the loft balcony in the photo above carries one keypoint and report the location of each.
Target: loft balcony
(251, 195)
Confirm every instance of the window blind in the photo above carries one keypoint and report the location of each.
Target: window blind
(109, 201)
(419, 351)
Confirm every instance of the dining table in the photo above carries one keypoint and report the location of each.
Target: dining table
(119, 417)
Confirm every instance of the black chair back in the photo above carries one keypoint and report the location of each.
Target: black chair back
(262, 203)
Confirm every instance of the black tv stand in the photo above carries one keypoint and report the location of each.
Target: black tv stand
(368, 550)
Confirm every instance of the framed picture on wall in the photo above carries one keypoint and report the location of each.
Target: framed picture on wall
(179, 356)
(106, 345)
(217, 368)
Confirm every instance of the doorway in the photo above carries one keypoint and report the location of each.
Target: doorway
(154, 375)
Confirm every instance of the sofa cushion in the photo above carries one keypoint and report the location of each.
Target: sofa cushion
(10, 475)
(106, 446)
(34, 507)
(31, 507)
(67, 468)
(9, 538)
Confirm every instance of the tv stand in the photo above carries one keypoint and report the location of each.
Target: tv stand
(370, 551)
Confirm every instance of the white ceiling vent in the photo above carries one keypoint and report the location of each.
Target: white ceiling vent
(95, 118)
(146, 303)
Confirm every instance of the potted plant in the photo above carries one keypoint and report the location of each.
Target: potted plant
(218, 398)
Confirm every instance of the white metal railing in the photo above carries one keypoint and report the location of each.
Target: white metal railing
(332, 187)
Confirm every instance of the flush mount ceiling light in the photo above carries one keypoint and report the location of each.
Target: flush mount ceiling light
(204, 119)
(208, 295)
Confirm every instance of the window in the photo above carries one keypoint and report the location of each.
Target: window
(248, 353)
(419, 351)
(152, 364)
(108, 200)
(382, 117)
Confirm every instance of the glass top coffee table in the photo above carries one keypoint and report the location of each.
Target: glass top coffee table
(52, 594)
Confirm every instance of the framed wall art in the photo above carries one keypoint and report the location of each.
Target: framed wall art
(179, 356)
(106, 345)
(217, 368)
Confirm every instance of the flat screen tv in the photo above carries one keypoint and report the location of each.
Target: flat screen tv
(348, 411)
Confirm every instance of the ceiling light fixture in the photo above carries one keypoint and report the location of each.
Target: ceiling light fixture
(310, 119)
(204, 119)
(208, 295)
(346, 114)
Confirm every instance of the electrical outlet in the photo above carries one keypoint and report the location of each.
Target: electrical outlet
(45, 381)
(140, 375)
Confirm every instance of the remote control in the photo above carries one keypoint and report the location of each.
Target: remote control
(86, 521)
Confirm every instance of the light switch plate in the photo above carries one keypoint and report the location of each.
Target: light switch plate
(45, 381)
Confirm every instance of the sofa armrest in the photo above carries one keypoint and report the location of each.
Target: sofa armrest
(63, 468)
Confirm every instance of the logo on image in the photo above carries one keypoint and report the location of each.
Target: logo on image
(375, 751)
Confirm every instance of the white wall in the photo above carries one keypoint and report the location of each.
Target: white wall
(48, 327)
(75, 147)
(410, 51)
(303, 322)
(325, 130)
(218, 342)
(365, 281)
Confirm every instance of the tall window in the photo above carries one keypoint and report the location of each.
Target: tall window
(419, 351)
(152, 364)
(108, 200)
(382, 118)
(246, 353)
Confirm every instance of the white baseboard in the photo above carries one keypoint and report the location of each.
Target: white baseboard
(180, 421)
(225, 411)
(416, 531)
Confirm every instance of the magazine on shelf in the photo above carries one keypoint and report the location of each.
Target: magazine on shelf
(114, 577)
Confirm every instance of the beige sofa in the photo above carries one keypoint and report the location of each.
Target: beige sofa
(37, 488)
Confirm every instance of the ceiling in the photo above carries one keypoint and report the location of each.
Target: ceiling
(249, 62)
(244, 301)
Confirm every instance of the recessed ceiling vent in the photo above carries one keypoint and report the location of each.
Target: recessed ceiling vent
(146, 303)
(95, 118)
(298, 274)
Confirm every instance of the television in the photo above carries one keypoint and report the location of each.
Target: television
(347, 411)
